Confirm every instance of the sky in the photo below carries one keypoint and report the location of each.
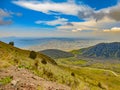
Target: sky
(60, 18)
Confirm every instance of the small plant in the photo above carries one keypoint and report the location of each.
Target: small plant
(11, 43)
(43, 61)
(36, 64)
(33, 55)
(48, 73)
(102, 86)
(6, 80)
(16, 61)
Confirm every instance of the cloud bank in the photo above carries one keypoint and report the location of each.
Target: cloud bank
(103, 20)
(110, 12)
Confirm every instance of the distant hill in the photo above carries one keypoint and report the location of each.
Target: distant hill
(102, 50)
(55, 53)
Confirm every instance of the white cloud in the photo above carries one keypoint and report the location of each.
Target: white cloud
(68, 8)
(76, 30)
(58, 21)
(5, 13)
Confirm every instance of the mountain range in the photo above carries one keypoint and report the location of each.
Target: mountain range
(102, 50)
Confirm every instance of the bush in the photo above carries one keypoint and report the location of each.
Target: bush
(101, 85)
(16, 61)
(33, 55)
(48, 73)
(36, 64)
(43, 61)
(11, 43)
(72, 74)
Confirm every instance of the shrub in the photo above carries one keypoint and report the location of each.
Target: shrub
(43, 61)
(101, 85)
(11, 43)
(33, 55)
(48, 73)
(16, 61)
(36, 64)
(72, 74)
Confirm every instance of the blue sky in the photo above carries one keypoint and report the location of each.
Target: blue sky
(60, 18)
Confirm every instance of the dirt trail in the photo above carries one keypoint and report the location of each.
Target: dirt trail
(115, 74)
(110, 71)
(25, 80)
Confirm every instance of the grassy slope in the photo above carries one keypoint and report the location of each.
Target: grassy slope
(105, 75)
(10, 55)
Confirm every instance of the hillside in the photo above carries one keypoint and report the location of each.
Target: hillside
(102, 50)
(19, 71)
(55, 53)
(10, 53)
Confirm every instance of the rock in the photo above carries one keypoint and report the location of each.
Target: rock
(14, 82)
(34, 77)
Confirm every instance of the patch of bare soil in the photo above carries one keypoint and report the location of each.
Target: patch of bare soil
(23, 79)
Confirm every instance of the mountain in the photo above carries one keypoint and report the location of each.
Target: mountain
(102, 50)
(55, 53)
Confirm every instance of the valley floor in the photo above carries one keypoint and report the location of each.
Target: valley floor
(100, 75)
